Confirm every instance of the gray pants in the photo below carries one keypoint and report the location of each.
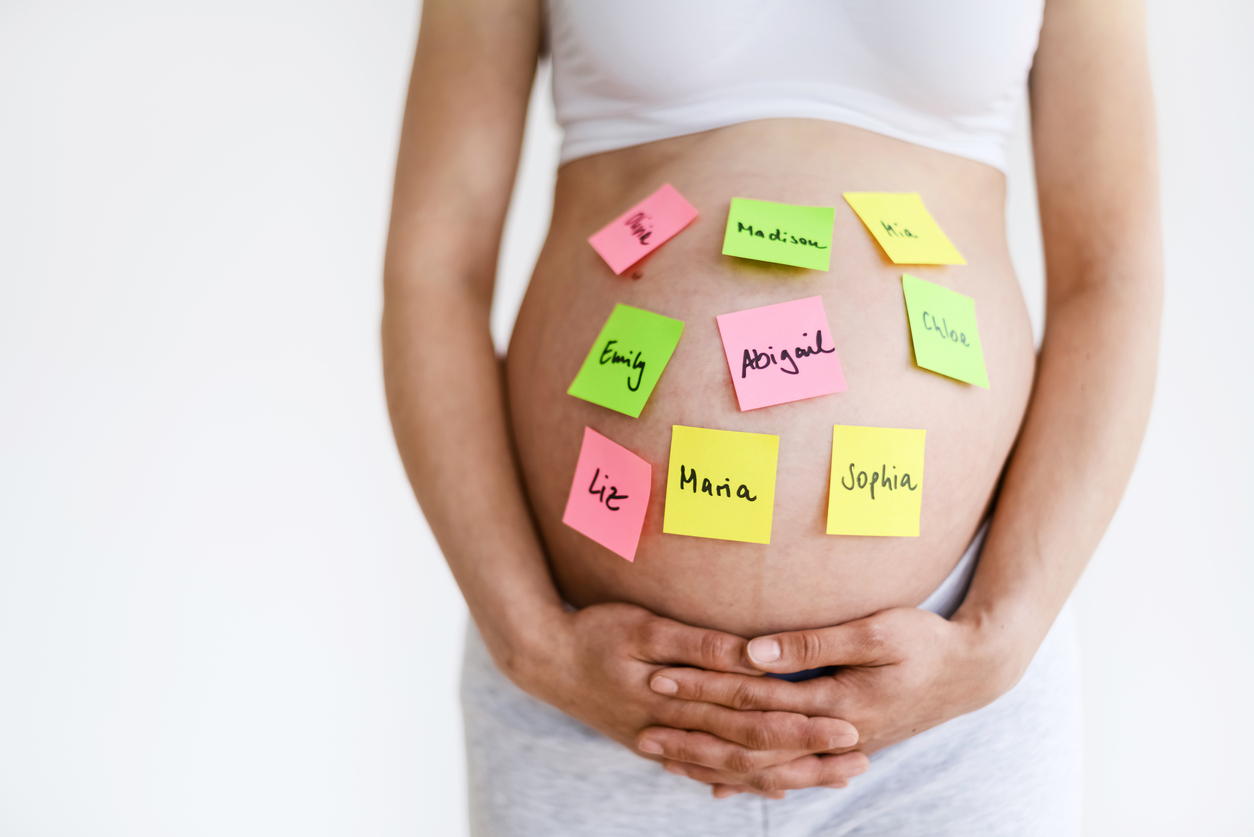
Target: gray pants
(1012, 768)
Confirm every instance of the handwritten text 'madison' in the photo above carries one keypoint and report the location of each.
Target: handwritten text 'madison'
(885, 480)
(713, 489)
(753, 359)
(611, 356)
(781, 236)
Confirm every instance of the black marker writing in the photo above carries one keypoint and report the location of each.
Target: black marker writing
(753, 359)
(610, 356)
(707, 487)
(944, 330)
(897, 232)
(779, 235)
(614, 495)
(885, 480)
(641, 226)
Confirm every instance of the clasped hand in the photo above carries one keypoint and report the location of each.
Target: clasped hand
(696, 700)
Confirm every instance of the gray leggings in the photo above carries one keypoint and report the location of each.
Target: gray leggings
(1011, 768)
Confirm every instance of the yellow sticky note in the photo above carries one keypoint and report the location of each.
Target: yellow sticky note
(904, 228)
(877, 481)
(721, 484)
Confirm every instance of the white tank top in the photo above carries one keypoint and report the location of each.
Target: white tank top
(946, 75)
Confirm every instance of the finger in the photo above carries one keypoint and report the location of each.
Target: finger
(669, 642)
(732, 747)
(728, 791)
(707, 750)
(864, 642)
(758, 730)
(810, 772)
(817, 697)
(717, 781)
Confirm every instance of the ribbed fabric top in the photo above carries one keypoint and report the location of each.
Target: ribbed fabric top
(949, 76)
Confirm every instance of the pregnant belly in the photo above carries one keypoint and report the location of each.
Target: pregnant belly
(803, 577)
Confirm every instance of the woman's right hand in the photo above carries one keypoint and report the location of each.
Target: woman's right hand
(595, 665)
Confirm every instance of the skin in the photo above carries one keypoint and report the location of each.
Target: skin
(656, 658)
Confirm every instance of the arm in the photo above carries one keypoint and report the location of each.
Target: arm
(459, 150)
(1097, 181)
(908, 670)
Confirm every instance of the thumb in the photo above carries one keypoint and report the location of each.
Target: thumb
(667, 642)
(854, 643)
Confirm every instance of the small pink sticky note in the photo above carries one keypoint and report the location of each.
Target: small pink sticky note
(609, 495)
(643, 228)
(780, 353)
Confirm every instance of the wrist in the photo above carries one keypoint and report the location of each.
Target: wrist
(1000, 645)
(527, 646)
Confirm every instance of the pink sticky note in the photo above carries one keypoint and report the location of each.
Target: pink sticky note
(643, 228)
(609, 495)
(781, 353)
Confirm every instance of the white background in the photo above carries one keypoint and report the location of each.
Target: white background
(220, 610)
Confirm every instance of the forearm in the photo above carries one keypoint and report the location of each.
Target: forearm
(1075, 454)
(448, 414)
(1093, 136)
(456, 163)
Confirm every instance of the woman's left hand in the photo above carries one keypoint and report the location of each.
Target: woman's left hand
(902, 671)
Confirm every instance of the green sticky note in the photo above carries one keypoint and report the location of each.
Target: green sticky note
(942, 327)
(627, 359)
(780, 232)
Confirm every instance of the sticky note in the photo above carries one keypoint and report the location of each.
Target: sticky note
(942, 328)
(904, 228)
(627, 359)
(721, 484)
(877, 481)
(609, 494)
(643, 228)
(780, 232)
(780, 353)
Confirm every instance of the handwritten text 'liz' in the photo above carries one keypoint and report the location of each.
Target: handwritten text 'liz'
(613, 495)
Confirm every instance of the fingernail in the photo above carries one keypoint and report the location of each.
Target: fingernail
(723, 792)
(671, 767)
(665, 685)
(764, 650)
(848, 739)
(650, 746)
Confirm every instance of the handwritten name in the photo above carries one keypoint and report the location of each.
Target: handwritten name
(942, 328)
(611, 356)
(896, 231)
(641, 226)
(753, 359)
(713, 489)
(888, 481)
(614, 495)
(781, 236)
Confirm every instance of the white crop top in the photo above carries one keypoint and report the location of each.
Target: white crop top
(946, 75)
